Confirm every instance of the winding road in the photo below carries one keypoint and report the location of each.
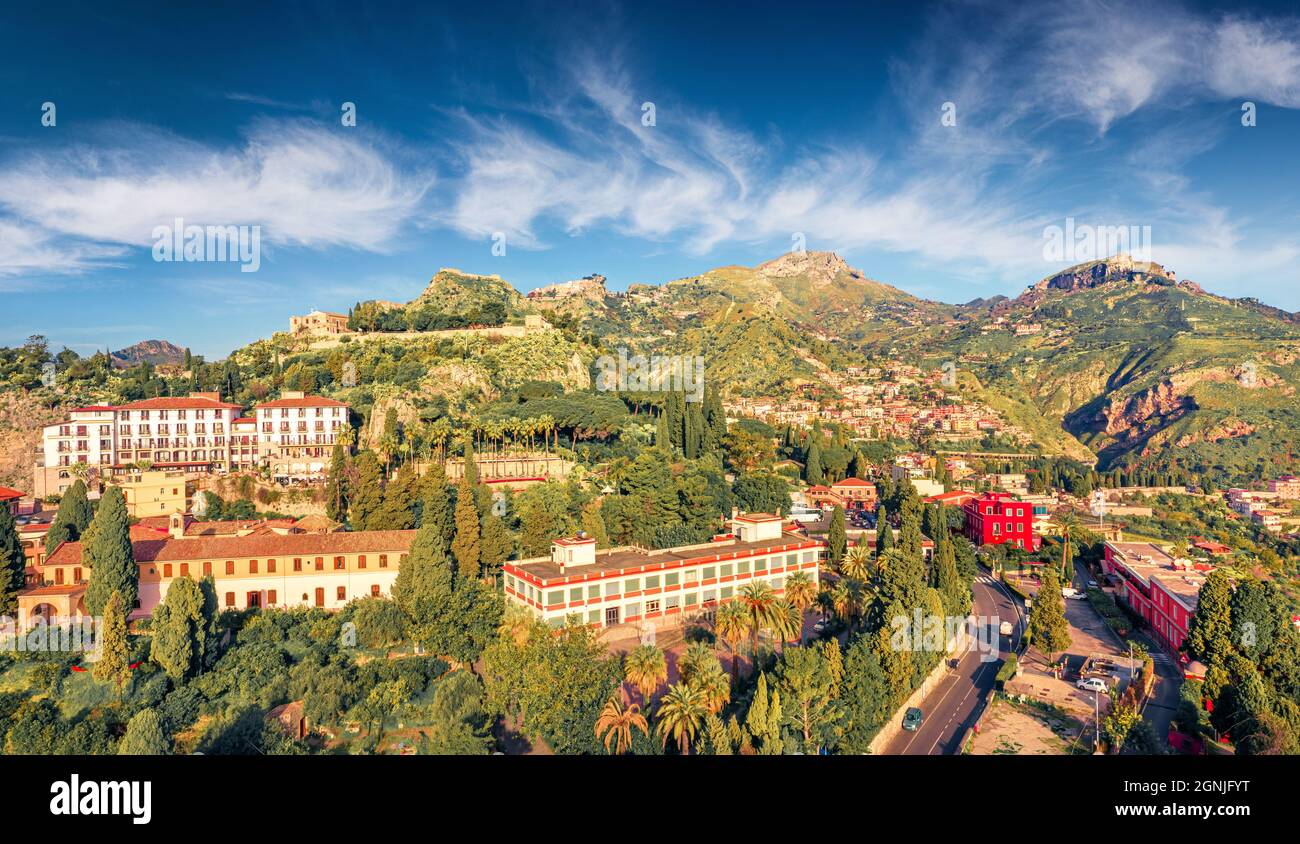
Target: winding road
(952, 707)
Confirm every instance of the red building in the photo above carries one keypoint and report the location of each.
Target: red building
(995, 518)
(1160, 589)
(850, 493)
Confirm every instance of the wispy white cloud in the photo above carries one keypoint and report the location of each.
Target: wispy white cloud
(306, 185)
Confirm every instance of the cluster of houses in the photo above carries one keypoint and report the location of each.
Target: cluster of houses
(1265, 507)
(879, 403)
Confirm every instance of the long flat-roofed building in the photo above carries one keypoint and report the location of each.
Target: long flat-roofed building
(1159, 588)
(268, 567)
(633, 585)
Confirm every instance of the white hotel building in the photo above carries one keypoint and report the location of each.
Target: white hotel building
(659, 588)
(197, 434)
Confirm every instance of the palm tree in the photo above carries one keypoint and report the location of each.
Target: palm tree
(786, 622)
(715, 688)
(857, 562)
(697, 659)
(731, 623)
(645, 668)
(1068, 524)
(801, 592)
(680, 715)
(759, 602)
(616, 722)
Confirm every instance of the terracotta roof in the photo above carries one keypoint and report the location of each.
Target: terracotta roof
(852, 482)
(305, 401)
(176, 403)
(92, 408)
(231, 547)
(7, 494)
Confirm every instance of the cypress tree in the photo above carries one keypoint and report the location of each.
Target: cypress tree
(884, 533)
(497, 544)
(13, 563)
(813, 471)
(836, 538)
(465, 546)
(72, 519)
(114, 652)
(909, 527)
(336, 489)
(437, 510)
(471, 466)
(108, 553)
(1209, 634)
(367, 497)
(184, 628)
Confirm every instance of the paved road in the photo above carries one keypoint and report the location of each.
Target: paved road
(952, 707)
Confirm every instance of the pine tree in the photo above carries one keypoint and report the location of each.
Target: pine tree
(107, 551)
(465, 547)
(336, 487)
(114, 650)
(834, 657)
(72, 519)
(145, 736)
(1048, 629)
(13, 564)
(716, 738)
(367, 498)
(837, 539)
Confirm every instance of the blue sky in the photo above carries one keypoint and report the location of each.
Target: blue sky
(525, 119)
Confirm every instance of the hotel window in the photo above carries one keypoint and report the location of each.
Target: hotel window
(320, 564)
(593, 617)
(230, 599)
(651, 607)
(792, 560)
(297, 563)
(230, 566)
(672, 578)
(167, 569)
(383, 561)
(611, 589)
(185, 569)
(593, 592)
(760, 565)
(631, 611)
(710, 595)
(691, 576)
(742, 567)
(809, 556)
(270, 566)
(710, 572)
(778, 582)
(673, 602)
(270, 597)
(692, 598)
(361, 561)
(374, 590)
(252, 566)
(652, 582)
(726, 592)
(338, 563)
(555, 599)
(575, 594)
(727, 569)
(342, 593)
(632, 584)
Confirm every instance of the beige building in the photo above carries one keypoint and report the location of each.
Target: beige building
(296, 434)
(319, 322)
(155, 493)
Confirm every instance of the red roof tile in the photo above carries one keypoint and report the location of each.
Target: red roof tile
(7, 494)
(232, 547)
(177, 403)
(305, 401)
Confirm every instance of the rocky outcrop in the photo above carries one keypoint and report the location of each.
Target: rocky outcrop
(156, 352)
(1120, 268)
(1163, 401)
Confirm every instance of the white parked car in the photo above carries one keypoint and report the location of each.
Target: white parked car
(1092, 684)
